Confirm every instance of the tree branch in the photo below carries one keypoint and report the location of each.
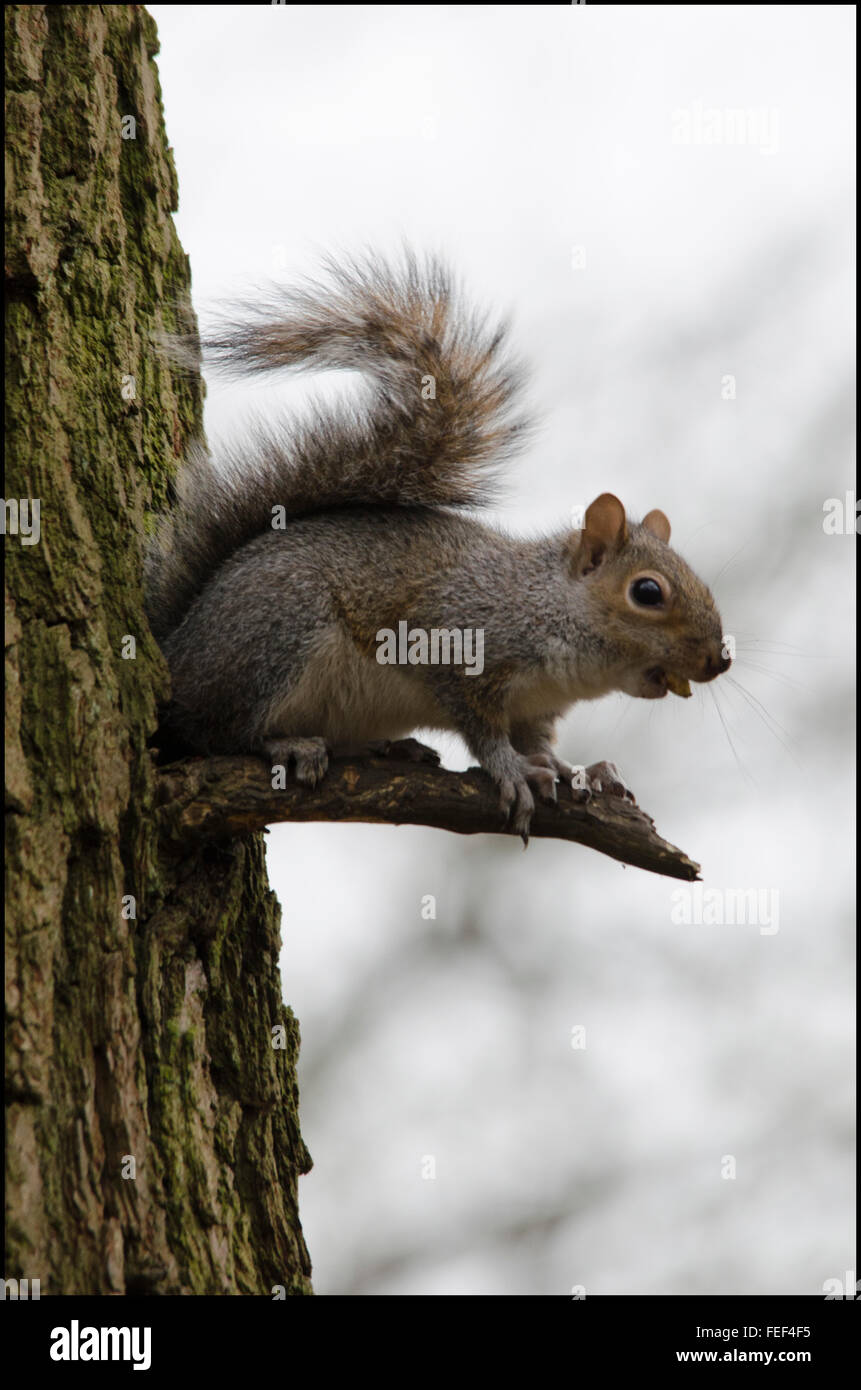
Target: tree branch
(216, 798)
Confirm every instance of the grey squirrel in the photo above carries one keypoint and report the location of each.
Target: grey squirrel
(272, 581)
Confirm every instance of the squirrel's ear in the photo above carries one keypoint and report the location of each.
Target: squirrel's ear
(604, 531)
(657, 523)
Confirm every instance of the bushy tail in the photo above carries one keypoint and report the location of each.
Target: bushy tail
(440, 414)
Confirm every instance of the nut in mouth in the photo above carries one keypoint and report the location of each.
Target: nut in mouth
(678, 686)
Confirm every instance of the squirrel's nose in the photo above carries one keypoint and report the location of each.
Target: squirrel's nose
(715, 665)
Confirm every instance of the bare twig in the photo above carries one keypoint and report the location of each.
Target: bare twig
(216, 798)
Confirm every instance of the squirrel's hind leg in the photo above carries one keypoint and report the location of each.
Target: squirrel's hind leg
(309, 755)
(408, 748)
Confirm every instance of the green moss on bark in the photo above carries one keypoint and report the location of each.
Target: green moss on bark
(148, 1036)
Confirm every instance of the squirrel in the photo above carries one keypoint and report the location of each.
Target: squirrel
(282, 572)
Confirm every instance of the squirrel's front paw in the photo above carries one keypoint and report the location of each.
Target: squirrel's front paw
(515, 794)
(310, 756)
(564, 771)
(517, 803)
(542, 773)
(606, 777)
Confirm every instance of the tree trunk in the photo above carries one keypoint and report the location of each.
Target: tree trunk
(153, 1144)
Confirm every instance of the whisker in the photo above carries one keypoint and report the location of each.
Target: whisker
(780, 676)
(767, 718)
(777, 648)
(725, 567)
(748, 776)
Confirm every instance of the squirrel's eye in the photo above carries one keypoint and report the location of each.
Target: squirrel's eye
(646, 592)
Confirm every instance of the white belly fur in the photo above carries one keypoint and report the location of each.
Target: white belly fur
(346, 697)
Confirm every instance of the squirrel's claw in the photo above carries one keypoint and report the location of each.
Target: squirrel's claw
(541, 775)
(517, 803)
(605, 777)
(537, 773)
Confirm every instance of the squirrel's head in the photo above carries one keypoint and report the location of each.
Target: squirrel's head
(661, 625)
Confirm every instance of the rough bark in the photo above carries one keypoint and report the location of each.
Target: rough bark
(145, 1036)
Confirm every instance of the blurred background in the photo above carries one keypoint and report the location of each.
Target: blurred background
(551, 1083)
